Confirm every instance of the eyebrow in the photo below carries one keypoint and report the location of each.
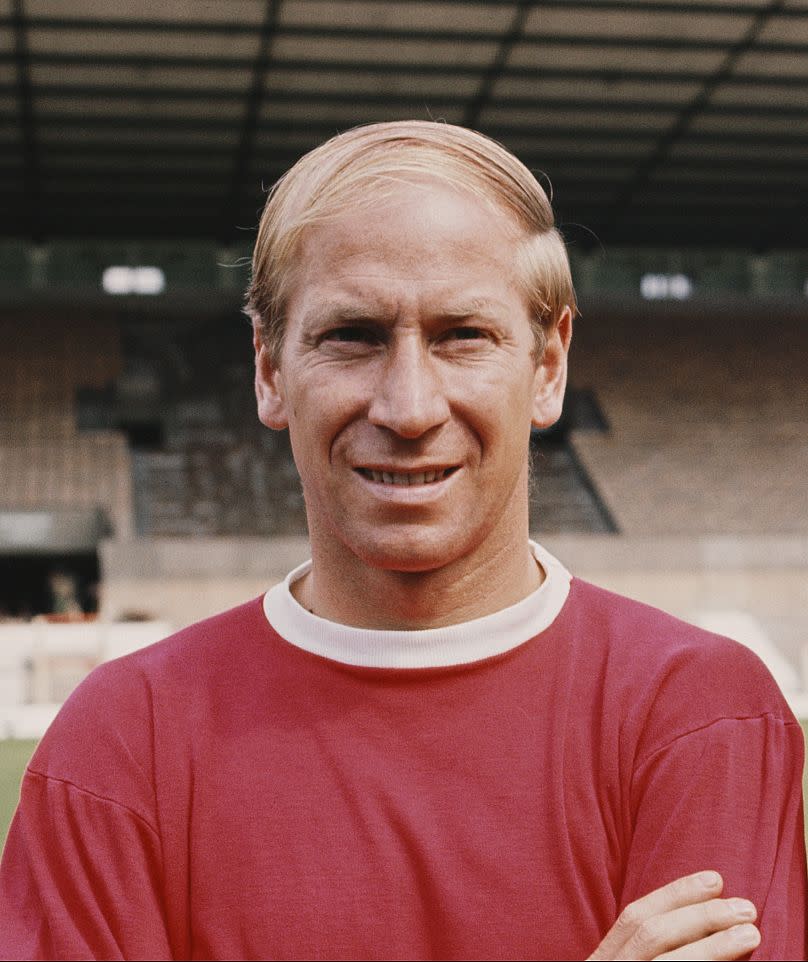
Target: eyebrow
(352, 314)
(478, 307)
(347, 314)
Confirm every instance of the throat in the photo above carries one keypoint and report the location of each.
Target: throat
(413, 601)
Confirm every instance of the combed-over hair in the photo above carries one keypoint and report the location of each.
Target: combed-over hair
(362, 166)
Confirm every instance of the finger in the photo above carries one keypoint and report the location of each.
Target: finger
(733, 943)
(684, 891)
(684, 926)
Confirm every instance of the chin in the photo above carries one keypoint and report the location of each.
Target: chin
(407, 552)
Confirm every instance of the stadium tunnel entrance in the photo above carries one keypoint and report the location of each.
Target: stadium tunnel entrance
(49, 563)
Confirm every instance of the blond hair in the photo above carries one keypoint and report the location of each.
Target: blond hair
(361, 166)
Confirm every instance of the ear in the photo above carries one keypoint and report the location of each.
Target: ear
(551, 373)
(268, 386)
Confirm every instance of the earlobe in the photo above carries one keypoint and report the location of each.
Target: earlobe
(551, 374)
(268, 387)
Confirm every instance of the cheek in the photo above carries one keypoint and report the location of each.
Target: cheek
(501, 405)
(320, 411)
(507, 431)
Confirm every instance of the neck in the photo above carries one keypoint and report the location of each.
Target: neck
(496, 574)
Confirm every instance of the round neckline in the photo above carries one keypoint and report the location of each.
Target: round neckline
(449, 645)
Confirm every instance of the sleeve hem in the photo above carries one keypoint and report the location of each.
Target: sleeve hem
(95, 795)
(758, 716)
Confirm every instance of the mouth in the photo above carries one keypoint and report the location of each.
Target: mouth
(407, 479)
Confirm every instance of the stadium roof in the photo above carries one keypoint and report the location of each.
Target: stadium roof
(669, 123)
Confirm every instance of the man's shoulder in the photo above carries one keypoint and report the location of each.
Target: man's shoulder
(116, 711)
(204, 642)
(191, 658)
(669, 672)
(647, 632)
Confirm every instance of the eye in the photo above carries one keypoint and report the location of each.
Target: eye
(351, 334)
(466, 332)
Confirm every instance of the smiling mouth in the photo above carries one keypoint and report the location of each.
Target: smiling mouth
(406, 479)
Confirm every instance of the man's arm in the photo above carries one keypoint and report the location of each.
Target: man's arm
(80, 878)
(729, 795)
(79, 882)
(83, 870)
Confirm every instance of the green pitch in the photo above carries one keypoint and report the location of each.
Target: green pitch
(15, 754)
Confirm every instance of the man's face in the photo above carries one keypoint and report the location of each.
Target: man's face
(408, 380)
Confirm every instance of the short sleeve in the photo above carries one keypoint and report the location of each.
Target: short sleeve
(81, 878)
(727, 796)
(82, 875)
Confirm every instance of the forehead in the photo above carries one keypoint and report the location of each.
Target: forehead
(425, 238)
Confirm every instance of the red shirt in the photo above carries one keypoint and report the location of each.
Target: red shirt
(227, 795)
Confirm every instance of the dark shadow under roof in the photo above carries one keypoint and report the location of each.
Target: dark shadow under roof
(657, 122)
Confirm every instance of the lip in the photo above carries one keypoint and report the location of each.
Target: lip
(407, 493)
(409, 468)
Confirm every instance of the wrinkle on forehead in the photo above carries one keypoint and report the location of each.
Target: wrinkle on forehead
(387, 309)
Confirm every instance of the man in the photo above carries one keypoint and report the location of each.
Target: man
(430, 741)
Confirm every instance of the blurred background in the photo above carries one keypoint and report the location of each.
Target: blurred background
(138, 492)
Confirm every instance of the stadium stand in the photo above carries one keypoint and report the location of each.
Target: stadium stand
(207, 466)
(44, 461)
(153, 420)
(170, 444)
(708, 416)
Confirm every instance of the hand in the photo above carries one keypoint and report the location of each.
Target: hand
(682, 920)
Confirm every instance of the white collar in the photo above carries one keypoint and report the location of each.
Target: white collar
(424, 648)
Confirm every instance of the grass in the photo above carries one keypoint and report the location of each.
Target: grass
(14, 756)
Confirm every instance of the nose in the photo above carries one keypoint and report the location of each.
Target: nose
(408, 397)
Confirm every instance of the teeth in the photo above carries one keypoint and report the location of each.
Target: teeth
(387, 477)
